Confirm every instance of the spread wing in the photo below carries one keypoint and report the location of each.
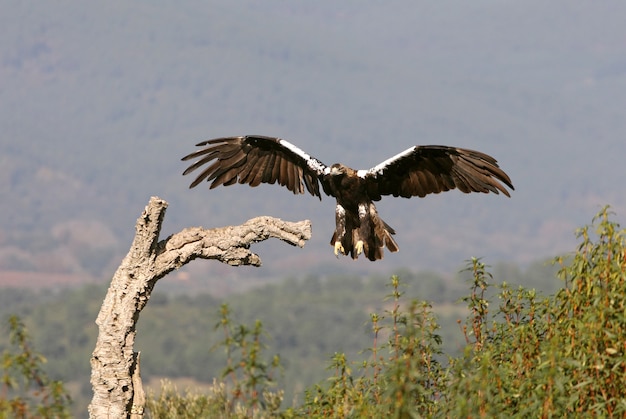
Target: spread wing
(255, 159)
(421, 170)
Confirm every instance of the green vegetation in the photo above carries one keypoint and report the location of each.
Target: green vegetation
(25, 389)
(244, 387)
(519, 352)
(401, 377)
(557, 356)
(305, 319)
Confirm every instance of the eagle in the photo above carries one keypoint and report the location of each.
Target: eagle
(417, 171)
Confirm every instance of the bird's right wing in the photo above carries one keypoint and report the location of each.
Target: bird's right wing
(255, 159)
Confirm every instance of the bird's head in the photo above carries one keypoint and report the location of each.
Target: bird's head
(338, 169)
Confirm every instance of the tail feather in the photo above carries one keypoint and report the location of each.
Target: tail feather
(383, 233)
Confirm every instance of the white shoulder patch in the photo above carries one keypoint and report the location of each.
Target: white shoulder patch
(380, 167)
(313, 163)
(318, 166)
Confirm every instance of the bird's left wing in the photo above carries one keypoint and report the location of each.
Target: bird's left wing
(255, 159)
(422, 170)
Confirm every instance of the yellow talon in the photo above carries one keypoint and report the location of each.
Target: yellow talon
(338, 248)
(359, 247)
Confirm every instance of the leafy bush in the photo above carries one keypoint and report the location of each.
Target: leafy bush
(25, 389)
(245, 389)
(526, 355)
(402, 377)
(563, 355)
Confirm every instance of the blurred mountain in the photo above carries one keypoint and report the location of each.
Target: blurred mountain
(98, 103)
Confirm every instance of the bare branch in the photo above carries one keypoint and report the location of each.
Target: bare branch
(227, 244)
(114, 361)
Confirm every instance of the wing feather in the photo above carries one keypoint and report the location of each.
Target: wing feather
(224, 177)
(284, 177)
(422, 170)
(269, 169)
(276, 171)
(255, 159)
(297, 172)
(204, 174)
(252, 162)
(201, 162)
(311, 184)
(291, 178)
(259, 168)
(227, 170)
(245, 175)
(430, 182)
(415, 187)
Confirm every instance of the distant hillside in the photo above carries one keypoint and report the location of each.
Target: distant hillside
(98, 103)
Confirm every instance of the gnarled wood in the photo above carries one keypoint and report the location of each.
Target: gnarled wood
(114, 364)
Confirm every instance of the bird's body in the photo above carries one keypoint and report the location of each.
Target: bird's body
(417, 171)
(358, 228)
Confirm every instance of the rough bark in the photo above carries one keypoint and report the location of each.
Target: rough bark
(114, 364)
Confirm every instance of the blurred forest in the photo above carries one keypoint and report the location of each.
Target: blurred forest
(307, 320)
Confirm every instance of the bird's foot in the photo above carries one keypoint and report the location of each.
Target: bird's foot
(359, 247)
(339, 248)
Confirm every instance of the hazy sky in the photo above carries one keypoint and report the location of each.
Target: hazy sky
(107, 97)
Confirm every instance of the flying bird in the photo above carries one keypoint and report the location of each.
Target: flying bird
(417, 171)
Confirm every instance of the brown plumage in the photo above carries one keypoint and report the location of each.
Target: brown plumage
(417, 171)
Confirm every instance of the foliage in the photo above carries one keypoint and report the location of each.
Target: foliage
(558, 356)
(214, 403)
(246, 380)
(555, 356)
(170, 403)
(247, 374)
(62, 324)
(26, 391)
(525, 353)
(401, 377)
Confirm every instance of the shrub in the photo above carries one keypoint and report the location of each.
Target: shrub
(246, 380)
(557, 356)
(25, 389)
(527, 355)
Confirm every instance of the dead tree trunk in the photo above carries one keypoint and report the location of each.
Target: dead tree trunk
(114, 363)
